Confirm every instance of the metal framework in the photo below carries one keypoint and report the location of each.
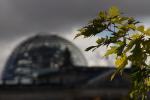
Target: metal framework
(40, 54)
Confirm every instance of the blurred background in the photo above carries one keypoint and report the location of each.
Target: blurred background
(20, 19)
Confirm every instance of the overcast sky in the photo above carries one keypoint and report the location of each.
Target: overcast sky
(21, 18)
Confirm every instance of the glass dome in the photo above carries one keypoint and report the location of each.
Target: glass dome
(39, 54)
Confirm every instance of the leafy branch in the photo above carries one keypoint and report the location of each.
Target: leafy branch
(128, 41)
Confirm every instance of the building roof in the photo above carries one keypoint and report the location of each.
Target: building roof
(81, 77)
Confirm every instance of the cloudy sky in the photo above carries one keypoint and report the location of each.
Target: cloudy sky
(20, 19)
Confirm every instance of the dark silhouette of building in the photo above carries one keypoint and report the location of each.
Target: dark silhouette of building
(41, 53)
(48, 67)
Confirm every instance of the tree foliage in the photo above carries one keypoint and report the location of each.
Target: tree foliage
(128, 40)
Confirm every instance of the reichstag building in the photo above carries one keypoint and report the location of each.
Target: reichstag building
(49, 67)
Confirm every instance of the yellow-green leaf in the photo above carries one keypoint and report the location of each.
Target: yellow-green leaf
(129, 46)
(136, 36)
(113, 50)
(113, 76)
(147, 81)
(113, 11)
(148, 32)
(100, 41)
(102, 14)
(140, 28)
(121, 61)
(132, 26)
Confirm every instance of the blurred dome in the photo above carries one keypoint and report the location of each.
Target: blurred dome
(39, 54)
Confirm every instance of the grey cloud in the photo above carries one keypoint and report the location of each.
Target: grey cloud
(36, 15)
(19, 17)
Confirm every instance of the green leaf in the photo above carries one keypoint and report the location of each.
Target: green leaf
(148, 81)
(102, 14)
(129, 46)
(123, 19)
(136, 36)
(113, 50)
(140, 28)
(134, 47)
(148, 32)
(99, 41)
(115, 73)
(113, 76)
(89, 48)
(131, 20)
(120, 49)
(132, 26)
(121, 61)
(113, 11)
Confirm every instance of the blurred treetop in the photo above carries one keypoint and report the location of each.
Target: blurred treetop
(128, 41)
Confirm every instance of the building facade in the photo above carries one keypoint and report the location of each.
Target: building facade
(48, 67)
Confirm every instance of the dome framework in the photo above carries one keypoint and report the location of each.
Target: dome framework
(41, 54)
